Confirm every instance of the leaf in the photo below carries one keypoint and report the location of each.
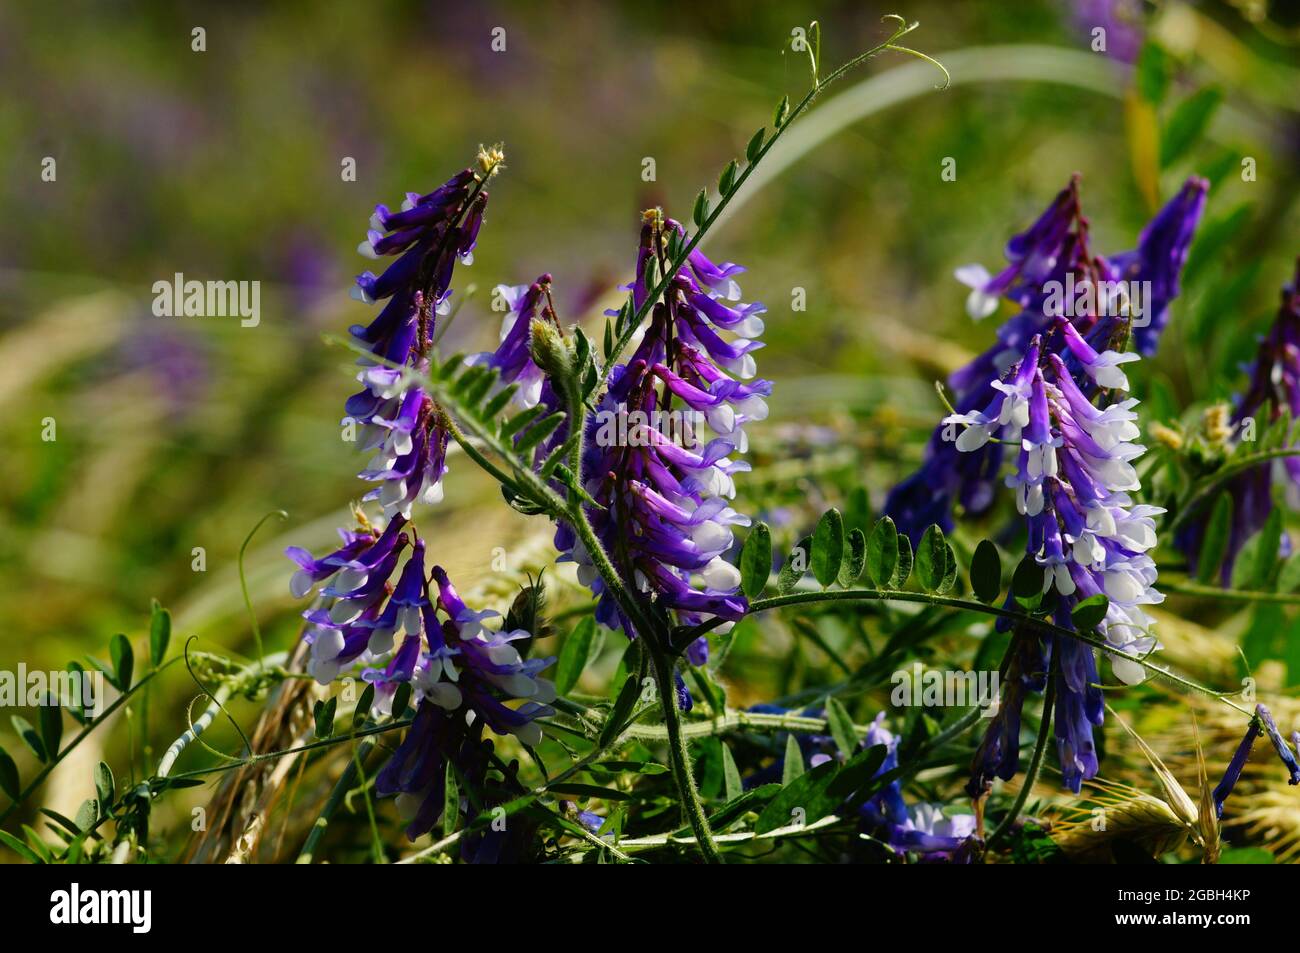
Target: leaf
(782, 110)
(700, 213)
(806, 793)
(1090, 612)
(793, 766)
(401, 700)
(1214, 545)
(9, 776)
(857, 771)
(324, 715)
(574, 655)
(648, 768)
(119, 650)
(538, 432)
(160, 633)
(521, 420)
(573, 789)
(51, 718)
(904, 567)
(727, 181)
(87, 814)
(105, 786)
(755, 146)
(828, 547)
(882, 552)
(623, 706)
(795, 566)
(1288, 577)
(1187, 123)
(450, 800)
(1255, 563)
(1152, 73)
(23, 728)
(1027, 580)
(841, 726)
(731, 811)
(23, 851)
(362, 708)
(932, 559)
(37, 844)
(851, 567)
(1247, 855)
(732, 785)
(986, 572)
(756, 560)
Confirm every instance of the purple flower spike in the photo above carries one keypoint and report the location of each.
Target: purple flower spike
(1073, 475)
(662, 483)
(1053, 278)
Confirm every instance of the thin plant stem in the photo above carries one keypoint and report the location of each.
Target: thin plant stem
(679, 759)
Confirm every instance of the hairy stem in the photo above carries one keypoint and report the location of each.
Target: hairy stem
(679, 759)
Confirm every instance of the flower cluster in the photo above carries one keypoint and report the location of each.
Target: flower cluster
(398, 420)
(463, 675)
(1274, 390)
(1073, 479)
(1052, 274)
(663, 492)
(921, 828)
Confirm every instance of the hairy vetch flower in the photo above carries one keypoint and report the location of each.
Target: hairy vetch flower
(513, 358)
(464, 676)
(1074, 473)
(663, 489)
(1274, 390)
(398, 420)
(467, 676)
(922, 828)
(1052, 274)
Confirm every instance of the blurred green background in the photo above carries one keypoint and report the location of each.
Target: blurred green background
(176, 433)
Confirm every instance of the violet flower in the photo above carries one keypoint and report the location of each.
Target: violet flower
(513, 359)
(1051, 274)
(398, 420)
(662, 488)
(921, 828)
(1073, 477)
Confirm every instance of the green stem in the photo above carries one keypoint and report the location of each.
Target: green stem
(932, 599)
(665, 280)
(679, 759)
(1221, 476)
(243, 579)
(1040, 746)
(1230, 595)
